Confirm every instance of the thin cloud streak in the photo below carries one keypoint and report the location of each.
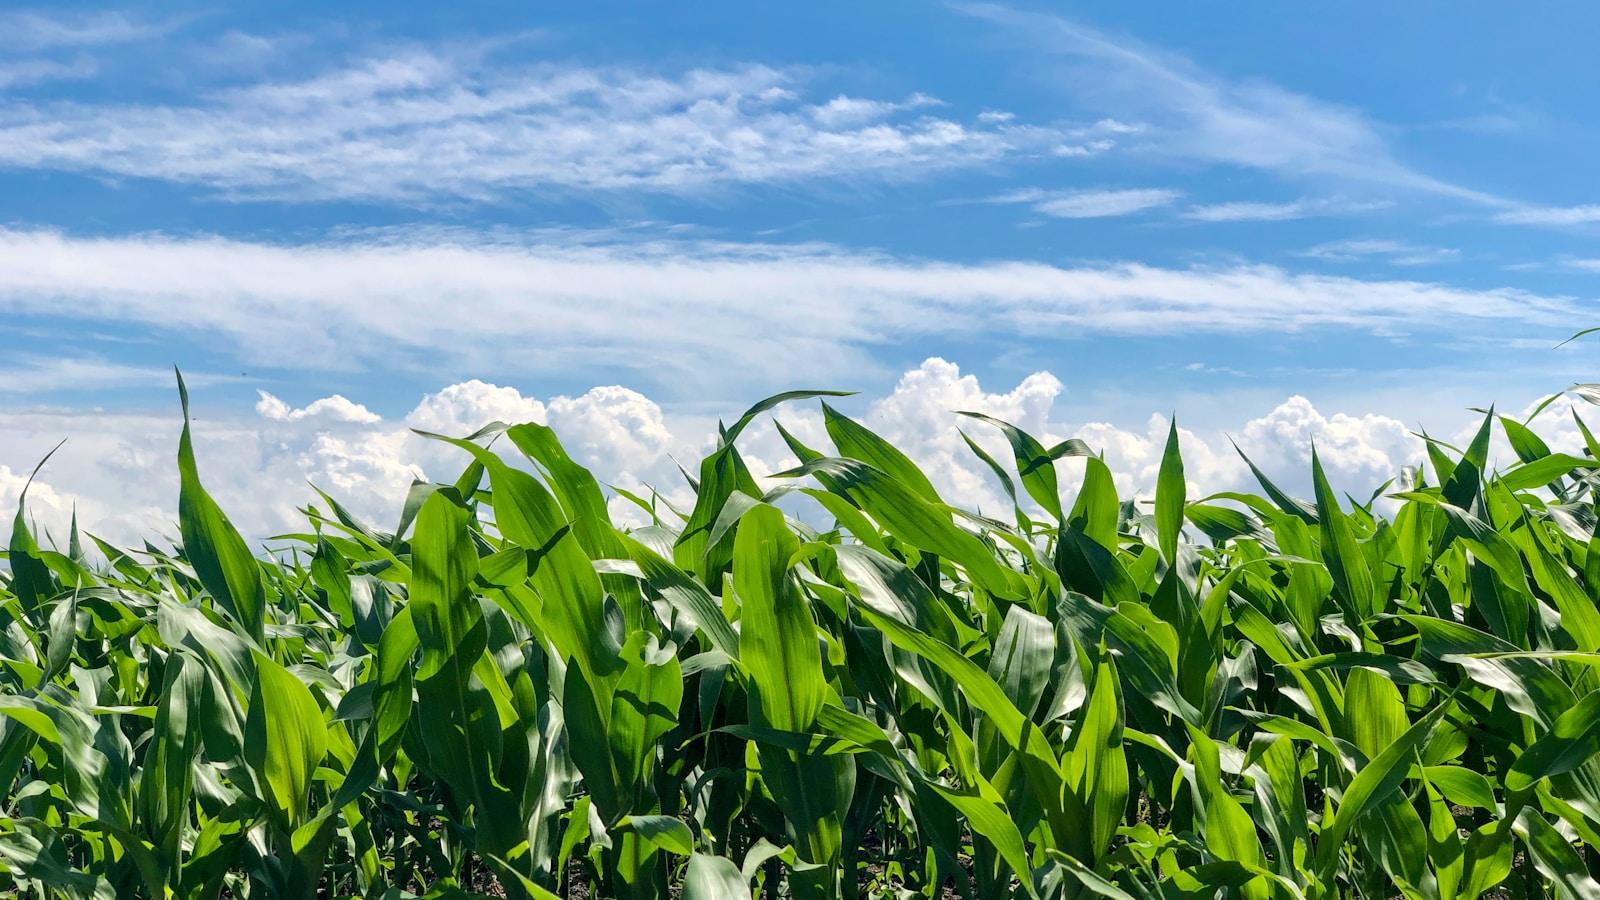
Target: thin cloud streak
(43, 375)
(34, 30)
(1551, 215)
(1255, 211)
(1398, 253)
(1090, 204)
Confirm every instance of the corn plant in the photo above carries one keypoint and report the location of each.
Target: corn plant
(845, 686)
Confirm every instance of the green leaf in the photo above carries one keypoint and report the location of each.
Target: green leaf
(1023, 656)
(1094, 512)
(1527, 445)
(1095, 766)
(1373, 783)
(1170, 487)
(666, 832)
(572, 613)
(1555, 857)
(1000, 474)
(713, 878)
(731, 433)
(856, 441)
(30, 577)
(443, 564)
(212, 545)
(1035, 464)
(1572, 740)
(910, 518)
(1379, 712)
(1542, 471)
(1295, 507)
(778, 643)
(286, 738)
(1346, 562)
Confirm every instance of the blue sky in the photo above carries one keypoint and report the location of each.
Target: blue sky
(1384, 209)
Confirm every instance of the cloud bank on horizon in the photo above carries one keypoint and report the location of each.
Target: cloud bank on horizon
(1285, 225)
(124, 480)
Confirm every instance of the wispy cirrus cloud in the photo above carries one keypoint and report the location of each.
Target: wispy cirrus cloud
(55, 29)
(27, 374)
(1257, 211)
(1551, 215)
(429, 126)
(1398, 253)
(39, 47)
(766, 313)
(1196, 114)
(24, 72)
(1245, 211)
(1090, 204)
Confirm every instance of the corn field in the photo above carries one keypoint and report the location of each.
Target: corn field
(507, 695)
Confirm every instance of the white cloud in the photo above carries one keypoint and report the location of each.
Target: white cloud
(1563, 263)
(1088, 148)
(845, 110)
(237, 51)
(768, 314)
(1094, 139)
(1090, 204)
(610, 423)
(335, 408)
(1254, 211)
(426, 127)
(1246, 211)
(117, 470)
(28, 374)
(1201, 368)
(1355, 450)
(38, 47)
(917, 417)
(1551, 215)
(49, 513)
(1197, 114)
(41, 31)
(463, 408)
(20, 73)
(1399, 253)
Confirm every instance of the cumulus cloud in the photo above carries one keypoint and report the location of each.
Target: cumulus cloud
(463, 408)
(46, 505)
(336, 408)
(768, 314)
(117, 470)
(917, 414)
(1354, 449)
(611, 424)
